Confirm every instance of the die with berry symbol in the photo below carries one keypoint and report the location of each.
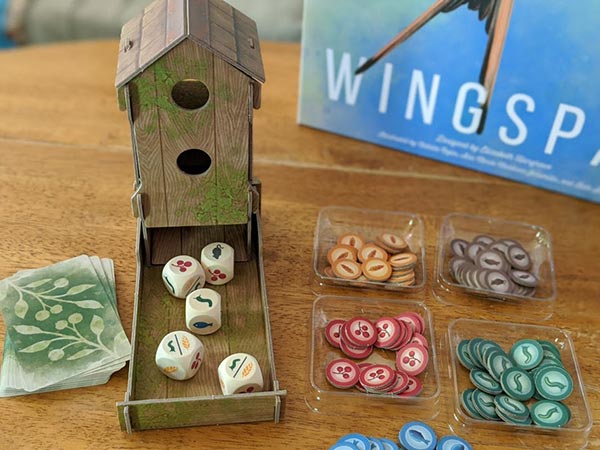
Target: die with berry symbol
(179, 355)
(218, 262)
(240, 374)
(182, 275)
(203, 311)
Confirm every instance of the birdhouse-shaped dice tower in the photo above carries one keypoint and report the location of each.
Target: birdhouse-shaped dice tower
(189, 76)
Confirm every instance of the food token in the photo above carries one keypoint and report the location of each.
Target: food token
(417, 436)
(329, 272)
(359, 332)
(553, 383)
(343, 446)
(467, 403)
(355, 352)
(333, 332)
(527, 353)
(418, 338)
(549, 346)
(484, 239)
(377, 269)
(403, 261)
(453, 443)
(523, 278)
(341, 252)
(388, 444)
(458, 247)
(353, 239)
(415, 386)
(484, 404)
(392, 241)
(473, 343)
(372, 251)
(401, 385)
(474, 249)
(484, 382)
(356, 439)
(414, 320)
(518, 257)
(499, 362)
(376, 444)
(491, 259)
(509, 242)
(500, 247)
(547, 413)
(511, 407)
(347, 269)
(388, 332)
(402, 278)
(462, 352)
(498, 281)
(455, 263)
(342, 373)
(412, 359)
(378, 377)
(513, 419)
(517, 383)
(362, 367)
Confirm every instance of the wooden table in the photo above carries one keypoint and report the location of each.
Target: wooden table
(66, 176)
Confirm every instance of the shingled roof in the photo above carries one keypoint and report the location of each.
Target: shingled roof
(213, 24)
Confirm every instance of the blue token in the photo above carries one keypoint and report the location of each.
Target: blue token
(388, 444)
(343, 446)
(453, 443)
(358, 440)
(417, 436)
(376, 444)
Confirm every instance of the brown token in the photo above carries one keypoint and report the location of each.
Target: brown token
(402, 278)
(400, 272)
(370, 251)
(347, 269)
(341, 251)
(377, 269)
(392, 241)
(403, 260)
(353, 239)
(410, 282)
(329, 272)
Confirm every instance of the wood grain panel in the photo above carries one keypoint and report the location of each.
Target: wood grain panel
(199, 20)
(165, 244)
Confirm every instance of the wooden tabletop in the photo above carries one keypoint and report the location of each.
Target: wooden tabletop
(66, 176)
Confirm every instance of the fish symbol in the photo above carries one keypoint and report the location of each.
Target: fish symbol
(418, 436)
(205, 300)
(234, 364)
(201, 325)
(550, 413)
(554, 384)
(171, 346)
(527, 354)
(217, 250)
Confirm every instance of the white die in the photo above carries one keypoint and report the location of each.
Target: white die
(218, 260)
(240, 373)
(203, 311)
(182, 275)
(179, 355)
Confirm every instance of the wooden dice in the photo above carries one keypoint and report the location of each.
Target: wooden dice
(182, 275)
(179, 355)
(203, 311)
(240, 373)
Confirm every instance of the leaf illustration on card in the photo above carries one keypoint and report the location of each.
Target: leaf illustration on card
(79, 289)
(37, 347)
(97, 325)
(89, 304)
(81, 354)
(37, 283)
(28, 329)
(21, 308)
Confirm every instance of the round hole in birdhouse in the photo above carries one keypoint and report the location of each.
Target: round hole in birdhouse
(194, 161)
(190, 94)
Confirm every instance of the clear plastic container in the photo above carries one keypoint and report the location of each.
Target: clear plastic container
(333, 221)
(322, 397)
(536, 240)
(574, 435)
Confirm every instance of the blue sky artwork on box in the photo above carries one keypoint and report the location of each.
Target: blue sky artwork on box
(507, 87)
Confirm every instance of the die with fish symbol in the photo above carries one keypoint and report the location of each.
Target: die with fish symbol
(203, 311)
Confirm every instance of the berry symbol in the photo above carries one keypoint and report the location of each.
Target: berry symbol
(343, 372)
(250, 389)
(194, 365)
(411, 359)
(377, 375)
(216, 275)
(182, 265)
(383, 331)
(362, 330)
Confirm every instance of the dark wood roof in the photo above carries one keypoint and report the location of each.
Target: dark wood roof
(213, 24)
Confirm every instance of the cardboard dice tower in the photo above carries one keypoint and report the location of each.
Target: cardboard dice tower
(189, 76)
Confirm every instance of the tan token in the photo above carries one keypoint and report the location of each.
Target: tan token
(352, 239)
(403, 260)
(401, 272)
(370, 251)
(347, 269)
(329, 272)
(392, 241)
(403, 278)
(341, 251)
(377, 269)
(404, 283)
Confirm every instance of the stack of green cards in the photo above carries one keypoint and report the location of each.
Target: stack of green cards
(62, 327)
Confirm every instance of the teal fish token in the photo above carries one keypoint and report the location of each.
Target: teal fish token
(484, 382)
(527, 353)
(472, 348)
(467, 404)
(489, 352)
(462, 352)
(376, 444)
(498, 363)
(517, 384)
(417, 436)
(547, 413)
(453, 443)
(388, 444)
(511, 407)
(551, 361)
(553, 383)
(550, 347)
(512, 419)
(484, 404)
(484, 350)
(358, 440)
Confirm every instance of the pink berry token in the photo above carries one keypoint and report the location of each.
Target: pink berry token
(410, 319)
(415, 386)
(388, 332)
(420, 339)
(378, 377)
(355, 352)
(412, 359)
(333, 332)
(401, 385)
(342, 373)
(359, 332)
(406, 338)
(362, 366)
